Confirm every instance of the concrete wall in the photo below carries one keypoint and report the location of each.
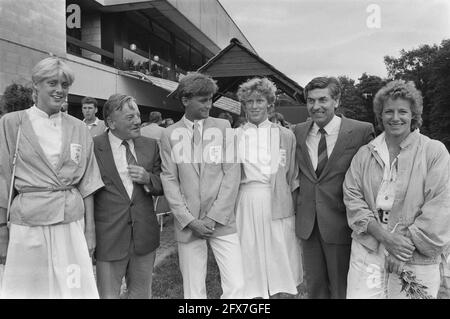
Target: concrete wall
(212, 19)
(29, 29)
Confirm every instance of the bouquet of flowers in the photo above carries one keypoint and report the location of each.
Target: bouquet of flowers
(413, 288)
(410, 285)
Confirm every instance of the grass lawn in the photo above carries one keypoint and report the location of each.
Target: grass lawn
(168, 283)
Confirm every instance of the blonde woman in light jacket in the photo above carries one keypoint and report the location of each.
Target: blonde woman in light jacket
(264, 211)
(397, 195)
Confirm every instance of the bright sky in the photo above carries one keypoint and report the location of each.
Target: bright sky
(309, 38)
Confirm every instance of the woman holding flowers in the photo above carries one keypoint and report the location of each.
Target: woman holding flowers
(397, 195)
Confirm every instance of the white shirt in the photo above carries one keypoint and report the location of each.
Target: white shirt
(48, 130)
(120, 159)
(95, 123)
(255, 152)
(386, 192)
(190, 125)
(313, 139)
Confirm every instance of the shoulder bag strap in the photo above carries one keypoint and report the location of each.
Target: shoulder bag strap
(11, 187)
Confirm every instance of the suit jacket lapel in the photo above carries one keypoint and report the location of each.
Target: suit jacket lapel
(274, 157)
(107, 159)
(304, 151)
(140, 157)
(206, 124)
(344, 137)
(181, 125)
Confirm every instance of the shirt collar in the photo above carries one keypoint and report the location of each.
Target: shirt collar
(190, 124)
(93, 123)
(380, 139)
(331, 128)
(39, 113)
(117, 142)
(380, 146)
(263, 124)
(411, 138)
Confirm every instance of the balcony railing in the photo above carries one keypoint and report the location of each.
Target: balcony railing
(88, 51)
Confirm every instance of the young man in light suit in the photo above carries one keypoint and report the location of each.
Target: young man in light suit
(326, 145)
(202, 193)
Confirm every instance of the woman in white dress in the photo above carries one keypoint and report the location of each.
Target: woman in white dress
(265, 215)
(49, 234)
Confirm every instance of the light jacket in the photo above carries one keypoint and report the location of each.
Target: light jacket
(421, 208)
(47, 195)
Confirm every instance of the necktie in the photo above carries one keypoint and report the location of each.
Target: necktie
(322, 156)
(197, 143)
(130, 157)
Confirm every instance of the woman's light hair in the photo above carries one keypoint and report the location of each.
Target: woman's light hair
(49, 67)
(399, 89)
(263, 86)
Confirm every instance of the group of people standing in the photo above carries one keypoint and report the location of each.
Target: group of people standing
(329, 202)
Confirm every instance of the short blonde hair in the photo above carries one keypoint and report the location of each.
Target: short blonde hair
(49, 67)
(399, 89)
(261, 85)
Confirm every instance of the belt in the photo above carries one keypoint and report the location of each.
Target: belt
(35, 189)
(383, 216)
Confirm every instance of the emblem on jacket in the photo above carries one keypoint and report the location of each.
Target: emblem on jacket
(282, 157)
(75, 152)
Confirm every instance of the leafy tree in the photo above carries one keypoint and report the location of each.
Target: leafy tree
(439, 95)
(351, 104)
(367, 87)
(15, 98)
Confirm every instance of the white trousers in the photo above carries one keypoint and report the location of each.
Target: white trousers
(193, 258)
(367, 278)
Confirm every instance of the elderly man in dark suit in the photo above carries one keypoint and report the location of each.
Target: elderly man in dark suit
(326, 145)
(127, 231)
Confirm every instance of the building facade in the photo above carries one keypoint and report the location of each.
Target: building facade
(135, 47)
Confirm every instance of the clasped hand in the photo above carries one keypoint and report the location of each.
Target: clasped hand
(138, 174)
(202, 228)
(400, 250)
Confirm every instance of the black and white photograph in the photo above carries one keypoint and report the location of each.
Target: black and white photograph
(237, 150)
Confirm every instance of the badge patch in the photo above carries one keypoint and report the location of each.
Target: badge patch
(75, 153)
(215, 153)
(282, 157)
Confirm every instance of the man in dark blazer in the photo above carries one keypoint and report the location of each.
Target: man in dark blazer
(127, 231)
(326, 145)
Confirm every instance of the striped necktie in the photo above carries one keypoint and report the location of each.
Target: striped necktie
(197, 143)
(130, 157)
(131, 160)
(322, 156)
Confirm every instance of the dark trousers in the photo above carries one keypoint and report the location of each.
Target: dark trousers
(138, 271)
(325, 267)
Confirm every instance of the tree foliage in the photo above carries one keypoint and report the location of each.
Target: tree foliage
(15, 98)
(357, 98)
(428, 67)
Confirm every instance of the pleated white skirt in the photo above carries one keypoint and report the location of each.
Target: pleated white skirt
(48, 262)
(270, 250)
